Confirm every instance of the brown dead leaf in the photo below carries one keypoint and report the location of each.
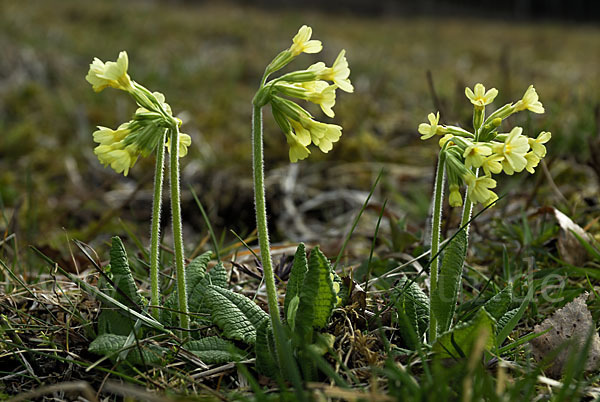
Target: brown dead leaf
(572, 323)
(570, 249)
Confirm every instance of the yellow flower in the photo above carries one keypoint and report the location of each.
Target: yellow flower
(536, 145)
(184, 142)
(321, 134)
(338, 73)
(323, 95)
(110, 74)
(480, 97)
(445, 139)
(455, 199)
(429, 130)
(479, 189)
(532, 161)
(297, 150)
(303, 44)
(514, 149)
(107, 136)
(302, 133)
(119, 157)
(475, 154)
(530, 101)
(492, 164)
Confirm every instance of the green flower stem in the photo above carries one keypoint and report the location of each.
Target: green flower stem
(438, 196)
(177, 230)
(467, 209)
(155, 227)
(261, 214)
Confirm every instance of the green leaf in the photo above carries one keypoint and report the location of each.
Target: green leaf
(294, 284)
(459, 341)
(110, 345)
(218, 275)
(238, 316)
(445, 295)
(195, 272)
(412, 307)
(266, 361)
(112, 320)
(498, 305)
(317, 296)
(121, 274)
(509, 321)
(214, 350)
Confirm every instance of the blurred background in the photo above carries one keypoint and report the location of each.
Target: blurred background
(407, 60)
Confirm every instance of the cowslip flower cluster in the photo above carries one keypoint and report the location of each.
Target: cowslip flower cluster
(121, 148)
(316, 84)
(467, 153)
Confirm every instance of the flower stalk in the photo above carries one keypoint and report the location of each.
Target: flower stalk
(184, 320)
(438, 196)
(155, 230)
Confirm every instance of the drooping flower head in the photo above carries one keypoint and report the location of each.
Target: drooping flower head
(110, 74)
(316, 84)
(121, 148)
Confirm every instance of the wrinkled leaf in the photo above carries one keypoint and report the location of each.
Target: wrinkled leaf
(112, 320)
(112, 344)
(317, 296)
(266, 354)
(569, 326)
(498, 305)
(218, 275)
(294, 284)
(214, 350)
(412, 309)
(238, 316)
(443, 299)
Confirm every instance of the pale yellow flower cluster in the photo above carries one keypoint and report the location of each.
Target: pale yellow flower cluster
(317, 84)
(121, 148)
(485, 148)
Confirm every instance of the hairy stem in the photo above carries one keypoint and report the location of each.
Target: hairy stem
(438, 196)
(467, 209)
(261, 213)
(177, 230)
(155, 227)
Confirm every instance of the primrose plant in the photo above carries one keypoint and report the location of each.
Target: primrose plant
(470, 159)
(317, 84)
(152, 129)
